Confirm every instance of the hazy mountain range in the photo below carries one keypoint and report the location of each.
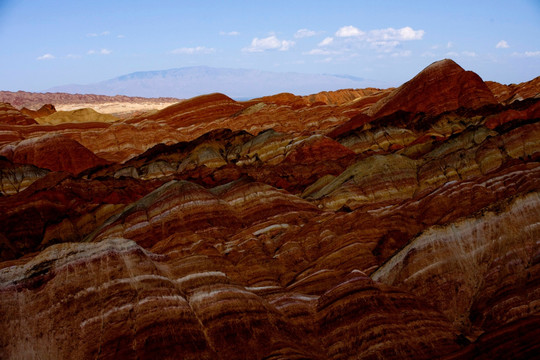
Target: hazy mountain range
(237, 83)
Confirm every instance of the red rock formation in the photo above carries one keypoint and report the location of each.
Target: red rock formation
(281, 228)
(515, 92)
(440, 87)
(11, 116)
(34, 101)
(341, 97)
(45, 110)
(53, 152)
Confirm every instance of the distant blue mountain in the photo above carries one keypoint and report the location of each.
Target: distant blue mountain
(237, 83)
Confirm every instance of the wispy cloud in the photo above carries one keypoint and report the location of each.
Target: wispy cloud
(527, 54)
(193, 50)
(73, 56)
(100, 52)
(321, 52)
(120, 36)
(327, 41)
(389, 34)
(46, 57)
(104, 33)
(502, 45)
(303, 33)
(384, 46)
(469, 53)
(269, 43)
(381, 40)
(229, 33)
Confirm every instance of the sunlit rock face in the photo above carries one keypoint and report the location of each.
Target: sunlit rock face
(10, 115)
(514, 92)
(365, 224)
(45, 110)
(440, 87)
(52, 152)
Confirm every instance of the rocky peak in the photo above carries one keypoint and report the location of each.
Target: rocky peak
(440, 87)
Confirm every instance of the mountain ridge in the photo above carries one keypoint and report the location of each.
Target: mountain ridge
(187, 82)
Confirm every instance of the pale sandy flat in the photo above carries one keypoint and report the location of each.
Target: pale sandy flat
(119, 109)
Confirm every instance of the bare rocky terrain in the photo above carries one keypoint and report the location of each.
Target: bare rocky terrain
(354, 224)
(119, 105)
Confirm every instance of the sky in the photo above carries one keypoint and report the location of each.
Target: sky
(50, 43)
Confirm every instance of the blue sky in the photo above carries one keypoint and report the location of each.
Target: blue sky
(49, 43)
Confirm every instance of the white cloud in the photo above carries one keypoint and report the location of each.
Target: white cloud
(452, 53)
(120, 36)
(326, 41)
(193, 50)
(348, 31)
(73, 56)
(502, 45)
(46, 57)
(527, 54)
(348, 39)
(269, 43)
(469, 53)
(320, 52)
(389, 34)
(404, 34)
(302, 33)
(104, 33)
(101, 52)
(229, 33)
(449, 45)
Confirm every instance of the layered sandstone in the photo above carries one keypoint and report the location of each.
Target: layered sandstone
(284, 227)
(53, 152)
(11, 116)
(45, 110)
(515, 92)
(440, 87)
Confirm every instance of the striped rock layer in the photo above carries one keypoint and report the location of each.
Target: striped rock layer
(344, 225)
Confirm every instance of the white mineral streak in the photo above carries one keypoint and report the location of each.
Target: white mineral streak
(200, 276)
(61, 255)
(181, 302)
(467, 241)
(270, 228)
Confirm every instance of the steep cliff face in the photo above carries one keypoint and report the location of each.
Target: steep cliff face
(286, 227)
